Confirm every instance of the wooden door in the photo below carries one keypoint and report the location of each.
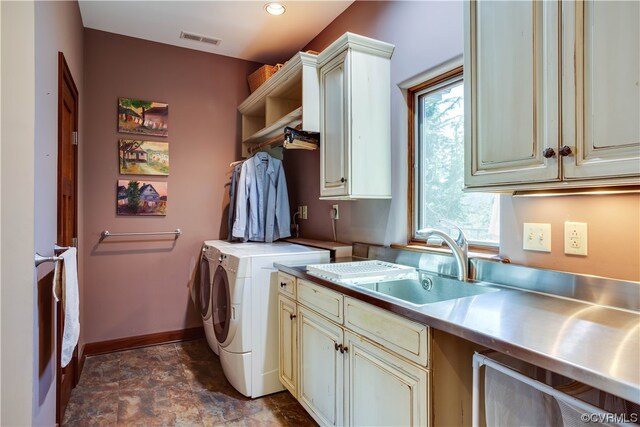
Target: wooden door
(382, 388)
(321, 368)
(288, 344)
(601, 95)
(511, 77)
(66, 377)
(334, 161)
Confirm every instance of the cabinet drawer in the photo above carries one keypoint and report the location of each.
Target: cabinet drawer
(402, 336)
(287, 284)
(323, 300)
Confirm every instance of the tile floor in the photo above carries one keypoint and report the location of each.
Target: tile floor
(171, 385)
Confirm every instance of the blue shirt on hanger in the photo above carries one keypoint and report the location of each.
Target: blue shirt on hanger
(262, 204)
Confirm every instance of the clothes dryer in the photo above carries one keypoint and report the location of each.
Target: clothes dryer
(245, 311)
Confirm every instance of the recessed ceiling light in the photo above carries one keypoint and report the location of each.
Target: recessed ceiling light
(274, 8)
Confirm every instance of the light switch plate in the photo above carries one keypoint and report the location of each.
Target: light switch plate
(536, 237)
(575, 238)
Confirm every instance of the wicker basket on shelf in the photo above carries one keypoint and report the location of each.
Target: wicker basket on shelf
(261, 75)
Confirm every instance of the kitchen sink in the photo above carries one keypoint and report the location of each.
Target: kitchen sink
(427, 289)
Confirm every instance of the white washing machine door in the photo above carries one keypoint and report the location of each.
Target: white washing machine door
(204, 289)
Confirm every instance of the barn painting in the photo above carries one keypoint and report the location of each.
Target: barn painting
(143, 117)
(141, 197)
(143, 157)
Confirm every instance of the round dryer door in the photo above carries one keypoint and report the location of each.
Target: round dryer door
(221, 304)
(204, 291)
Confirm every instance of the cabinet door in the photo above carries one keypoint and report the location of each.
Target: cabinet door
(321, 368)
(511, 77)
(384, 389)
(334, 156)
(288, 344)
(601, 93)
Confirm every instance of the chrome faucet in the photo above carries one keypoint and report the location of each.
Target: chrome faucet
(459, 247)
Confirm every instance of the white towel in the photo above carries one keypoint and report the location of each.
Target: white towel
(510, 402)
(67, 272)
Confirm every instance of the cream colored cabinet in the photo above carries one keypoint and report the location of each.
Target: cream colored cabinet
(289, 98)
(601, 89)
(511, 76)
(288, 344)
(537, 120)
(356, 364)
(383, 389)
(355, 120)
(321, 368)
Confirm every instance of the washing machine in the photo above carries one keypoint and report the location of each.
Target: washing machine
(244, 297)
(203, 294)
(211, 256)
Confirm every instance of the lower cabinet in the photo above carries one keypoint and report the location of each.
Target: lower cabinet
(288, 344)
(321, 368)
(345, 379)
(383, 389)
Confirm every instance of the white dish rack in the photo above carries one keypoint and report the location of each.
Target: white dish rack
(362, 271)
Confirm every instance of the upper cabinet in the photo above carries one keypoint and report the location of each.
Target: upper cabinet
(355, 148)
(551, 94)
(601, 89)
(289, 98)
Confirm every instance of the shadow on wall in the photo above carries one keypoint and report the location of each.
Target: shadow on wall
(46, 340)
(193, 283)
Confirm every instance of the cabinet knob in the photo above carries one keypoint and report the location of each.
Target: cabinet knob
(336, 346)
(341, 180)
(565, 150)
(343, 349)
(548, 153)
(292, 316)
(283, 284)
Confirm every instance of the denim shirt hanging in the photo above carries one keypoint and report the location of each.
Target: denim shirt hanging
(262, 203)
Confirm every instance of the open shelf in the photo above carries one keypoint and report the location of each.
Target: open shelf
(289, 98)
(292, 119)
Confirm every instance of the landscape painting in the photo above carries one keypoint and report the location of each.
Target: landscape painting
(141, 197)
(143, 117)
(143, 157)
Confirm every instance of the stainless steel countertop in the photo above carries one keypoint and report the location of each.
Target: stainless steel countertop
(593, 344)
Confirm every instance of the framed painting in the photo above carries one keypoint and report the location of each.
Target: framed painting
(141, 198)
(143, 117)
(143, 157)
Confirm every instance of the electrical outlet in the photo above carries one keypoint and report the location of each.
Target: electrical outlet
(336, 211)
(536, 237)
(575, 238)
(302, 212)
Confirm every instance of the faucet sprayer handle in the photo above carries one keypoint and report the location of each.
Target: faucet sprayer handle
(461, 240)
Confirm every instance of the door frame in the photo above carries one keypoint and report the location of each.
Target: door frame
(65, 79)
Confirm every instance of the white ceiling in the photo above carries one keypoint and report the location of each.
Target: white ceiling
(246, 30)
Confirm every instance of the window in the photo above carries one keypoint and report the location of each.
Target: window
(437, 147)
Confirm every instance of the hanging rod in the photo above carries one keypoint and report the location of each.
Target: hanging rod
(279, 139)
(107, 233)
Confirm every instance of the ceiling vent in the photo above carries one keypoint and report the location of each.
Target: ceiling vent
(199, 38)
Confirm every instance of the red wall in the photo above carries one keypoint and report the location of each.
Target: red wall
(141, 286)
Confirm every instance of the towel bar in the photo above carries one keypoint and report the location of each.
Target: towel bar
(39, 259)
(106, 233)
